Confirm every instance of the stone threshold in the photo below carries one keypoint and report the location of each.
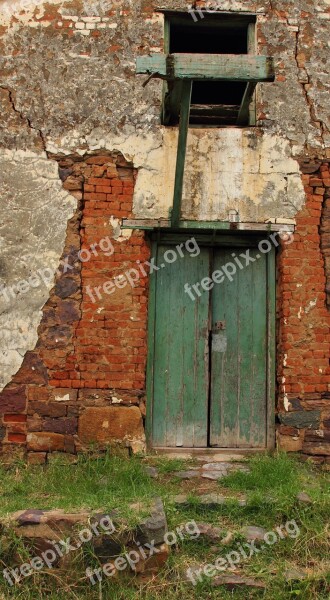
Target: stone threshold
(206, 454)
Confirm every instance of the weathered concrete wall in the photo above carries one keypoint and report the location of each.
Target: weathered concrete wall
(68, 87)
(34, 210)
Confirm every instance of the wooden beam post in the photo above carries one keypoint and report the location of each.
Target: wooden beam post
(244, 110)
(208, 67)
(247, 111)
(181, 153)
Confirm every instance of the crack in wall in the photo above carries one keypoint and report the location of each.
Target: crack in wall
(311, 106)
(23, 117)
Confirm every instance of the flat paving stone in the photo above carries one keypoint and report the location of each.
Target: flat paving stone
(215, 475)
(215, 466)
(304, 498)
(294, 575)
(207, 500)
(236, 581)
(209, 532)
(151, 471)
(252, 533)
(187, 474)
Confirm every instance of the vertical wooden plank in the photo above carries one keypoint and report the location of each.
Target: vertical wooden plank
(271, 333)
(151, 344)
(251, 38)
(180, 398)
(258, 400)
(181, 152)
(239, 364)
(245, 349)
(224, 359)
(245, 108)
(252, 49)
(167, 42)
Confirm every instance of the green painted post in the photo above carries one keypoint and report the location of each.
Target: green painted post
(181, 153)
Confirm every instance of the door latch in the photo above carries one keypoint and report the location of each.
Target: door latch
(219, 326)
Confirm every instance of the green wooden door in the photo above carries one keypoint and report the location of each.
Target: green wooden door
(238, 398)
(181, 373)
(220, 397)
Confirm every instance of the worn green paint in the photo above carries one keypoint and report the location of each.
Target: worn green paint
(165, 224)
(180, 377)
(228, 401)
(252, 49)
(151, 346)
(247, 111)
(212, 67)
(244, 111)
(239, 364)
(271, 354)
(181, 152)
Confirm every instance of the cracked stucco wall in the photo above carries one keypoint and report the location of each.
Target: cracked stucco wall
(68, 85)
(34, 210)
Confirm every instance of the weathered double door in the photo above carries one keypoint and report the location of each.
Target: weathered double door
(210, 365)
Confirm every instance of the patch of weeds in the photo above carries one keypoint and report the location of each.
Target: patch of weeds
(275, 475)
(171, 465)
(103, 483)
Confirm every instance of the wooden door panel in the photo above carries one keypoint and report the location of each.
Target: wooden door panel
(238, 405)
(181, 361)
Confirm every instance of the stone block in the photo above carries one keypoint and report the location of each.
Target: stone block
(153, 564)
(36, 458)
(289, 443)
(106, 425)
(32, 370)
(13, 399)
(301, 419)
(317, 448)
(61, 425)
(51, 409)
(154, 528)
(45, 442)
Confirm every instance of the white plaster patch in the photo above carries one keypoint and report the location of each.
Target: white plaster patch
(24, 11)
(226, 169)
(119, 234)
(116, 400)
(64, 398)
(34, 210)
(311, 305)
(286, 403)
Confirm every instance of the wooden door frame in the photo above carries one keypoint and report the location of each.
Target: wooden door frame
(217, 240)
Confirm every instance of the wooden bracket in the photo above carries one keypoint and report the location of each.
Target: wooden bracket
(181, 152)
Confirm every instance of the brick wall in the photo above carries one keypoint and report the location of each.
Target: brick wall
(85, 380)
(304, 322)
(86, 375)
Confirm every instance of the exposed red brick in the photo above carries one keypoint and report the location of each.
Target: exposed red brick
(17, 438)
(80, 348)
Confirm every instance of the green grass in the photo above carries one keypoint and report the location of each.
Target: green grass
(109, 483)
(104, 483)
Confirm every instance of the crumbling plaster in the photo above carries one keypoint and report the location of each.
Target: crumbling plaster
(34, 210)
(70, 90)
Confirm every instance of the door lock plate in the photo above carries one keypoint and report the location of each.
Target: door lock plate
(219, 325)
